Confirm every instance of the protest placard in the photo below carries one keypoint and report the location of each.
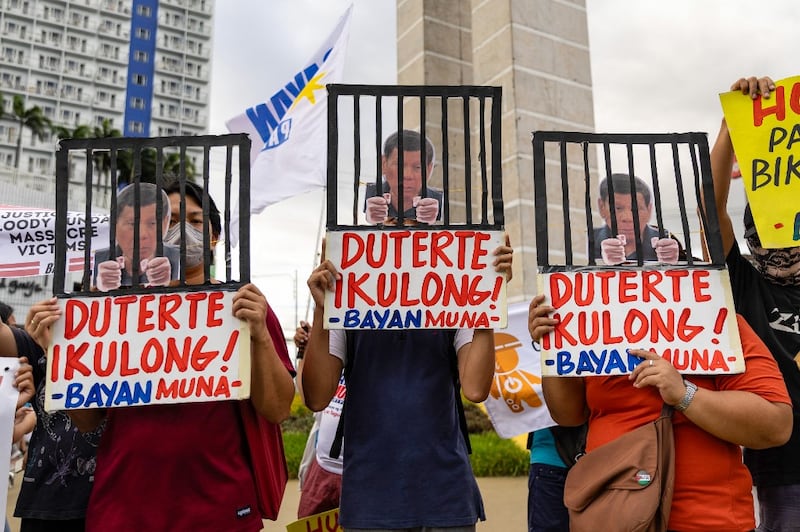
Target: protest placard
(765, 135)
(684, 315)
(321, 522)
(142, 349)
(8, 407)
(415, 279)
(28, 240)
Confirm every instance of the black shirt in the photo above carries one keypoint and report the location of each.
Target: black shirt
(774, 314)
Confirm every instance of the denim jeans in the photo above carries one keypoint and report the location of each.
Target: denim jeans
(779, 508)
(546, 510)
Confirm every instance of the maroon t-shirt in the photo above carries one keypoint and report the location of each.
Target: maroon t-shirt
(177, 467)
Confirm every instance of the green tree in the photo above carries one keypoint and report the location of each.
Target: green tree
(102, 159)
(170, 166)
(80, 132)
(31, 118)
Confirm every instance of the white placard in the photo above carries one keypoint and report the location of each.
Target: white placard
(685, 315)
(143, 349)
(415, 279)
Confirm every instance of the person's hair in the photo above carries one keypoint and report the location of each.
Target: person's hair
(412, 141)
(196, 193)
(147, 196)
(5, 312)
(749, 223)
(622, 185)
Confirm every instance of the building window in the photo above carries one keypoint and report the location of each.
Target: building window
(140, 79)
(144, 11)
(140, 56)
(135, 126)
(143, 33)
(137, 103)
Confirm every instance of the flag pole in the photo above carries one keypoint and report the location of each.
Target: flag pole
(317, 249)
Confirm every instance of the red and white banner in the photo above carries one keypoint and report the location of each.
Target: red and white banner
(28, 240)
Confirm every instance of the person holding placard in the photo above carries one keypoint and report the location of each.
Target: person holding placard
(13, 343)
(321, 478)
(198, 451)
(767, 293)
(59, 472)
(715, 415)
(405, 462)
(548, 446)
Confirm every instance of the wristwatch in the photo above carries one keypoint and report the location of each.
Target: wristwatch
(691, 389)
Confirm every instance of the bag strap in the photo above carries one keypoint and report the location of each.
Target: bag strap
(570, 442)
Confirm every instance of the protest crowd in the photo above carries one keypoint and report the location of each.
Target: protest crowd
(153, 401)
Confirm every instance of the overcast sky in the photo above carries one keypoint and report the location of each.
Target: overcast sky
(657, 66)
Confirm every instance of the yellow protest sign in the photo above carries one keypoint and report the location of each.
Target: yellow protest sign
(322, 522)
(766, 139)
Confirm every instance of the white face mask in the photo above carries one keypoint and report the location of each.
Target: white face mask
(195, 250)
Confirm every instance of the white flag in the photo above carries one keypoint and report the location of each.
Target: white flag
(516, 401)
(289, 131)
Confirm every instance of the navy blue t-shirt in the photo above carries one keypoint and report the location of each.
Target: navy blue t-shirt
(405, 462)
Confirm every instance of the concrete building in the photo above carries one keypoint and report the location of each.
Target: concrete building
(141, 67)
(538, 52)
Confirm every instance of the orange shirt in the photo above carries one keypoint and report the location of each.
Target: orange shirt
(712, 487)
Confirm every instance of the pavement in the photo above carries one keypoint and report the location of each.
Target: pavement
(504, 498)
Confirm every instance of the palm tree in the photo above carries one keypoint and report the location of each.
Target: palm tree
(170, 166)
(64, 132)
(102, 159)
(32, 118)
(80, 132)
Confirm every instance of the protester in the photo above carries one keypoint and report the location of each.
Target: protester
(718, 413)
(24, 423)
(405, 462)
(420, 204)
(615, 249)
(59, 471)
(23, 381)
(197, 451)
(321, 478)
(767, 294)
(548, 469)
(111, 272)
(546, 477)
